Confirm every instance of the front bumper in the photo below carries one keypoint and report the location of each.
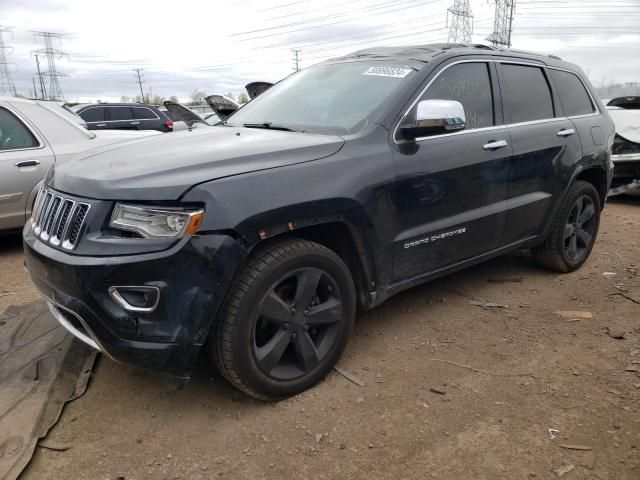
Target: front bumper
(192, 277)
(626, 173)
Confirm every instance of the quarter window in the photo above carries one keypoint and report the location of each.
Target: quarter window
(573, 96)
(469, 84)
(142, 113)
(526, 93)
(13, 133)
(93, 114)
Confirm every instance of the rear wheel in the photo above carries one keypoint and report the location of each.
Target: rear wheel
(574, 230)
(287, 320)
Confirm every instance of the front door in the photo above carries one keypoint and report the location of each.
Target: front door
(24, 161)
(450, 190)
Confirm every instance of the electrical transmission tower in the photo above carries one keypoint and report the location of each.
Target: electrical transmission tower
(51, 54)
(140, 82)
(502, 24)
(461, 22)
(296, 59)
(6, 82)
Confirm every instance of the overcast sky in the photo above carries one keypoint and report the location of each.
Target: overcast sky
(220, 45)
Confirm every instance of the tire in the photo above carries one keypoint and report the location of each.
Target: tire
(278, 334)
(573, 233)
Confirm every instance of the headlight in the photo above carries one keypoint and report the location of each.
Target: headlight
(156, 222)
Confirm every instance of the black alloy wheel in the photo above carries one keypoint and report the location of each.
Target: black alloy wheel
(580, 229)
(297, 323)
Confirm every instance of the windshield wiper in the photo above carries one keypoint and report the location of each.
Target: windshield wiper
(268, 126)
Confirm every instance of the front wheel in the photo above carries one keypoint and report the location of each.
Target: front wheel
(287, 320)
(574, 230)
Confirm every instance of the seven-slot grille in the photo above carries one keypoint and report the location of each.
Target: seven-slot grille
(58, 220)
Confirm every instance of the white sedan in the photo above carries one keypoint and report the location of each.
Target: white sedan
(35, 134)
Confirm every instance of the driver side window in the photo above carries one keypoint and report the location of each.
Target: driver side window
(469, 84)
(13, 133)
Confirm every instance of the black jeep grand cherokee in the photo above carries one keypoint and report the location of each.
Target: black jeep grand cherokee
(340, 186)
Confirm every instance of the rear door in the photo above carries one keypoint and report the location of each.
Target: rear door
(120, 117)
(24, 161)
(450, 189)
(545, 149)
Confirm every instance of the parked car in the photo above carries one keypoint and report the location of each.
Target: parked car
(184, 115)
(124, 116)
(222, 106)
(337, 188)
(625, 112)
(35, 134)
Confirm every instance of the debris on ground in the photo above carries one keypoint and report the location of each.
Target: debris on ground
(628, 297)
(53, 445)
(437, 390)
(574, 447)
(487, 304)
(615, 333)
(552, 433)
(350, 376)
(564, 469)
(609, 274)
(574, 314)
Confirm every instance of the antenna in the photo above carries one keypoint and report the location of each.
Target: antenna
(461, 22)
(503, 23)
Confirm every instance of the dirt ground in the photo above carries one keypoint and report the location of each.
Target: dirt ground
(526, 370)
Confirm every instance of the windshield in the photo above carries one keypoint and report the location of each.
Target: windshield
(329, 99)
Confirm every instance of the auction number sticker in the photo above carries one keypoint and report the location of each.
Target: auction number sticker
(395, 72)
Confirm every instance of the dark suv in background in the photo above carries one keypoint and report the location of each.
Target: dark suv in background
(340, 186)
(124, 116)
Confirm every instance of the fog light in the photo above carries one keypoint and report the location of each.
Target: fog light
(133, 298)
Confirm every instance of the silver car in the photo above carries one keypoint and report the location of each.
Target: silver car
(35, 134)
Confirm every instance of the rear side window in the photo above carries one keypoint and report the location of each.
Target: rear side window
(469, 84)
(573, 96)
(142, 113)
(93, 114)
(526, 93)
(119, 113)
(13, 133)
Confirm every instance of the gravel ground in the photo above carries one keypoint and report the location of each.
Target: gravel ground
(453, 390)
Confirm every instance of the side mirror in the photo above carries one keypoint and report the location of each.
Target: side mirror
(434, 117)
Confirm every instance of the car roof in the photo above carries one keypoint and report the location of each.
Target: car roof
(418, 55)
(121, 104)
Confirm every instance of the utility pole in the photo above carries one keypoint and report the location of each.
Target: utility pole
(140, 81)
(51, 54)
(7, 86)
(461, 22)
(43, 91)
(502, 24)
(296, 59)
(35, 92)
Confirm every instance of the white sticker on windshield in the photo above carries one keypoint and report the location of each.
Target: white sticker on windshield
(395, 72)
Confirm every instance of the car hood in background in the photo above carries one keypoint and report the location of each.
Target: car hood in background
(189, 117)
(256, 88)
(627, 123)
(165, 166)
(221, 105)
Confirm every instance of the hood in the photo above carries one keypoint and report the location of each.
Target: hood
(256, 88)
(627, 123)
(163, 167)
(184, 114)
(222, 105)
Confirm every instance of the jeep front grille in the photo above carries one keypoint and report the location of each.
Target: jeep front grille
(58, 220)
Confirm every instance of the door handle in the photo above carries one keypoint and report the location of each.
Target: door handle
(566, 132)
(135, 123)
(494, 145)
(27, 163)
(101, 125)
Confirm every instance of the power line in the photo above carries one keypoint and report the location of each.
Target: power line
(51, 54)
(461, 22)
(7, 87)
(140, 81)
(503, 22)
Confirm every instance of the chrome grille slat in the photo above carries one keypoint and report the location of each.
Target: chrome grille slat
(58, 220)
